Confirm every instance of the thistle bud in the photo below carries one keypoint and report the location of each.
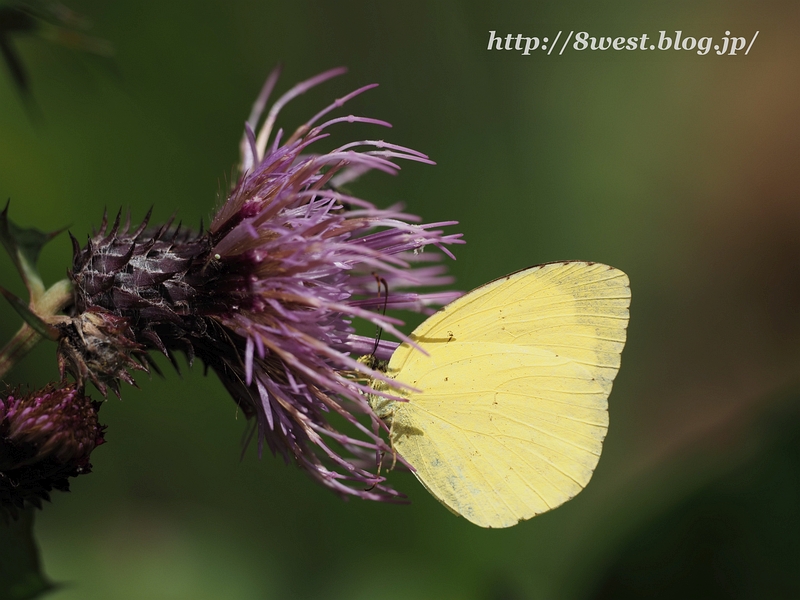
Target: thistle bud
(99, 347)
(46, 437)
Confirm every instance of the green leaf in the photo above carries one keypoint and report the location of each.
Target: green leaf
(21, 577)
(24, 246)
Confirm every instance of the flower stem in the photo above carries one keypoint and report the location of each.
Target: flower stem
(20, 567)
(52, 302)
(22, 343)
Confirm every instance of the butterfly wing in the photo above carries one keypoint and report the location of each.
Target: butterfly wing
(512, 409)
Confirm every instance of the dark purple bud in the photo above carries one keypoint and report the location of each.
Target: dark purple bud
(46, 437)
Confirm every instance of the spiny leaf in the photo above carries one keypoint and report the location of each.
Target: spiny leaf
(50, 21)
(24, 246)
(12, 20)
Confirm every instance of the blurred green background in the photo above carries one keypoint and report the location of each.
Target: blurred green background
(677, 168)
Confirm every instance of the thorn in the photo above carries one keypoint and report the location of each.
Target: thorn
(76, 247)
(103, 222)
(114, 229)
(177, 231)
(143, 225)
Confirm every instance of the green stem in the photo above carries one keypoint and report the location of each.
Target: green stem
(22, 343)
(52, 302)
(21, 574)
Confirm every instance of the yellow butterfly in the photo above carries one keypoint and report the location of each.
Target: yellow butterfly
(511, 409)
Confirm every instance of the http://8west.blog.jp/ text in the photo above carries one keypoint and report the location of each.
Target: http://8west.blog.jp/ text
(725, 45)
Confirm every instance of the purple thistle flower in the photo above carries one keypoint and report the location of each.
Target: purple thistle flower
(267, 296)
(45, 438)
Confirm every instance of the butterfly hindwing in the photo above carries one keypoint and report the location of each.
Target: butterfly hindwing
(512, 409)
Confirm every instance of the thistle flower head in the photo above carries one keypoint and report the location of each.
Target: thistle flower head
(268, 295)
(45, 438)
